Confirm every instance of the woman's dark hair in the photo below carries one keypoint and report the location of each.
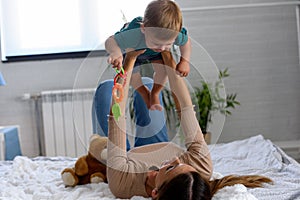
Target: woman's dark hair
(191, 186)
(188, 186)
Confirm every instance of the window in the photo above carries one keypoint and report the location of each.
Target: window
(31, 29)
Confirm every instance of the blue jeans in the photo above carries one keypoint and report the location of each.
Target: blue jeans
(150, 125)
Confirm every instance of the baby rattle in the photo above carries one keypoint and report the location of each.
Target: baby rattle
(118, 92)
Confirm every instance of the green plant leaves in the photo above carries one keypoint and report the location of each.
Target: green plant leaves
(208, 98)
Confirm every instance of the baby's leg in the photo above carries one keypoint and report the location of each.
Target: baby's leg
(160, 78)
(137, 84)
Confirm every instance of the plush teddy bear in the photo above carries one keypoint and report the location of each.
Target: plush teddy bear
(90, 168)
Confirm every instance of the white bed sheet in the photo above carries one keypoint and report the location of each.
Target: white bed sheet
(39, 178)
(257, 155)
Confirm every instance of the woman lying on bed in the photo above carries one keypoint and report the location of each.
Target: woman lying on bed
(163, 170)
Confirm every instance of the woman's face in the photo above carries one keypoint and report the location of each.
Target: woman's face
(171, 169)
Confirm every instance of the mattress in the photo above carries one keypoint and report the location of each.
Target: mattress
(39, 178)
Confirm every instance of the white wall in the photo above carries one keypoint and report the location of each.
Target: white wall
(259, 45)
(34, 77)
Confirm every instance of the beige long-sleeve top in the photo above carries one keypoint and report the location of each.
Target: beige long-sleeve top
(127, 172)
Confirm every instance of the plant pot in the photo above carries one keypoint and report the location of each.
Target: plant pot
(207, 137)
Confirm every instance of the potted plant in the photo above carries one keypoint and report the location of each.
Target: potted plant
(208, 99)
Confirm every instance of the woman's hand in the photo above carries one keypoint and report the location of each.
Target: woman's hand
(130, 58)
(133, 54)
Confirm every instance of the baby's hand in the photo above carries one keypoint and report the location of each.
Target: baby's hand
(116, 60)
(183, 68)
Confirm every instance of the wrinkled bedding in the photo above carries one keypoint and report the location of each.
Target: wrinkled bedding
(39, 178)
(257, 155)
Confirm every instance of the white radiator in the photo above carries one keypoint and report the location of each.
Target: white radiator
(67, 121)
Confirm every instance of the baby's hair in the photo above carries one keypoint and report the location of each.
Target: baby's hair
(163, 14)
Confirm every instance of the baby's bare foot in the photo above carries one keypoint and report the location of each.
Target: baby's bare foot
(156, 107)
(155, 103)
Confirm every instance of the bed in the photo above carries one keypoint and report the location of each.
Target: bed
(39, 178)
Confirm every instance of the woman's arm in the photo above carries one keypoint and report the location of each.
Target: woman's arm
(117, 128)
(177, 83)
(123, 179)
(197, 154)
(183, 101)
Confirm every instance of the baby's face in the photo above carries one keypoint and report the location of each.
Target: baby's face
(157, 44)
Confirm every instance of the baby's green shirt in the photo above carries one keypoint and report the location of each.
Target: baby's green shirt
(130, 36)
